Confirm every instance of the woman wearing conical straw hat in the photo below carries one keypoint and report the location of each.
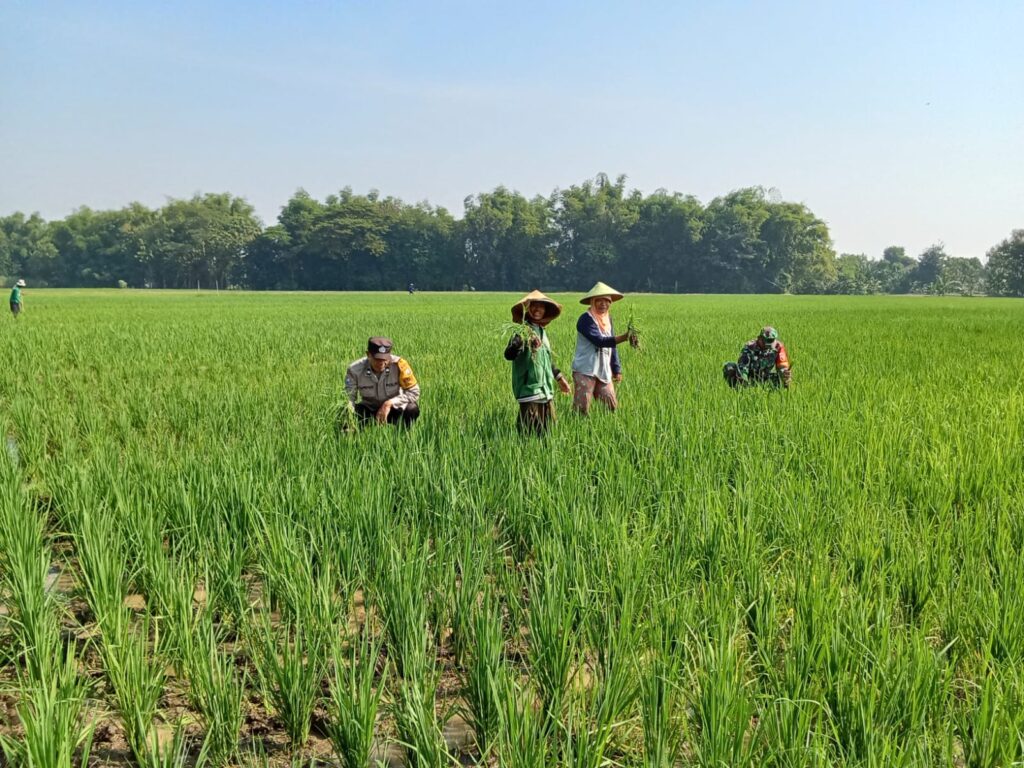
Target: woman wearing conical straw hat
(534, 373)
(596, 368)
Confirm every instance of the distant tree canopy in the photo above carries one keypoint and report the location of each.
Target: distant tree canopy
(747, 241)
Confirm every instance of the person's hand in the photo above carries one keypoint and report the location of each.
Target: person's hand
(383, 411)
(535, 342)
(622, 338)
(617, 377)
(563, 384)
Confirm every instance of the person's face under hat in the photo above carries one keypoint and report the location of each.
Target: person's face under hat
(601, 304)
(537, 310)
(378, 351)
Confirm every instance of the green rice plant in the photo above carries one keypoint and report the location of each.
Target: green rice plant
(175, 753)
(614, 634)
(660, 711)
(173, 596)
(633, 330)
(758, 596)
(24, 568)
(523, 330)
(354, 699)
(552, 618)
(404, 607)
(419, 729)
(481, 677)
(137, 679)
(291, 661)
(602, 705)
(721, 703)
(285, 565)
(794, 728)
(342, 416)
(100, 550)
(144, 538)
(51, 713)
(581, 745)
(460, 564)
(224, 570)
(1005, 641)
(524, 733)
(990, 725)
(217, 692)
(659, 670)
(882, 689)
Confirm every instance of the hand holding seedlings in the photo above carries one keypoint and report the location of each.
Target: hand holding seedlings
(633, 331)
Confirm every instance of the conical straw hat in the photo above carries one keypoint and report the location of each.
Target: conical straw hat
(552, 308)
(601, 289)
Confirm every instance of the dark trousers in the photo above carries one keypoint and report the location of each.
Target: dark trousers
(405, 417)
(15, 308)
(536, 418)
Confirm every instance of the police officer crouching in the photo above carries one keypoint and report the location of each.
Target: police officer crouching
(382, 386)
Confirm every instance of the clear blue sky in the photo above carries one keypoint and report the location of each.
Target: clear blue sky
(896, 122)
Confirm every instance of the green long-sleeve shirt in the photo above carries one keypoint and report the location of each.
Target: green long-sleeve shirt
(16, 295)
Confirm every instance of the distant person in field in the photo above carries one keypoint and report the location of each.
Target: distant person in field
(382, 387)
(762, 361)
(596, 367)
(16, 298)
(412, 288)
(534, 373)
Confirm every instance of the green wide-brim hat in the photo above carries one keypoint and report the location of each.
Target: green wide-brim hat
(601, 289)
(552, 308)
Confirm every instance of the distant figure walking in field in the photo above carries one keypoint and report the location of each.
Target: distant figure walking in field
(382, 387)
(762, 361)
(16, 298)
(534, 373)
(412, 288)
(596, 368)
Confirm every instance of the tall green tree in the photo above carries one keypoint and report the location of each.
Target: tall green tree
(1005, 272)
(799, 255)
(593, 221)
(509, 240)
(348, 244)
(735, 255)
(425, 248)
(661, 250)
(894, 269)
(28, 248)
(927, 276)
(854, 275)
(201, 241)
(100, 248)
(964, 276)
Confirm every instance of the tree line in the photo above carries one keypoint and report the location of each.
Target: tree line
(748, 241)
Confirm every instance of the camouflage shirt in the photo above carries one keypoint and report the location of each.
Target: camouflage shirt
(760, 362)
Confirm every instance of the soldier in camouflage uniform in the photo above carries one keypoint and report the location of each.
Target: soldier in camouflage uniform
(762, 361)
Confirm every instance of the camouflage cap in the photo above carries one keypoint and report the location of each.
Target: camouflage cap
(768, 333)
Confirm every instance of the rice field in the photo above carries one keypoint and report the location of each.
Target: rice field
(196, 568)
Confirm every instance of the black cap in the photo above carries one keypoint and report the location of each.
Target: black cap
(379, 347)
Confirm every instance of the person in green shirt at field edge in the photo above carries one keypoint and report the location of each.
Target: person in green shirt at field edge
(16, 297)
(533, 368)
